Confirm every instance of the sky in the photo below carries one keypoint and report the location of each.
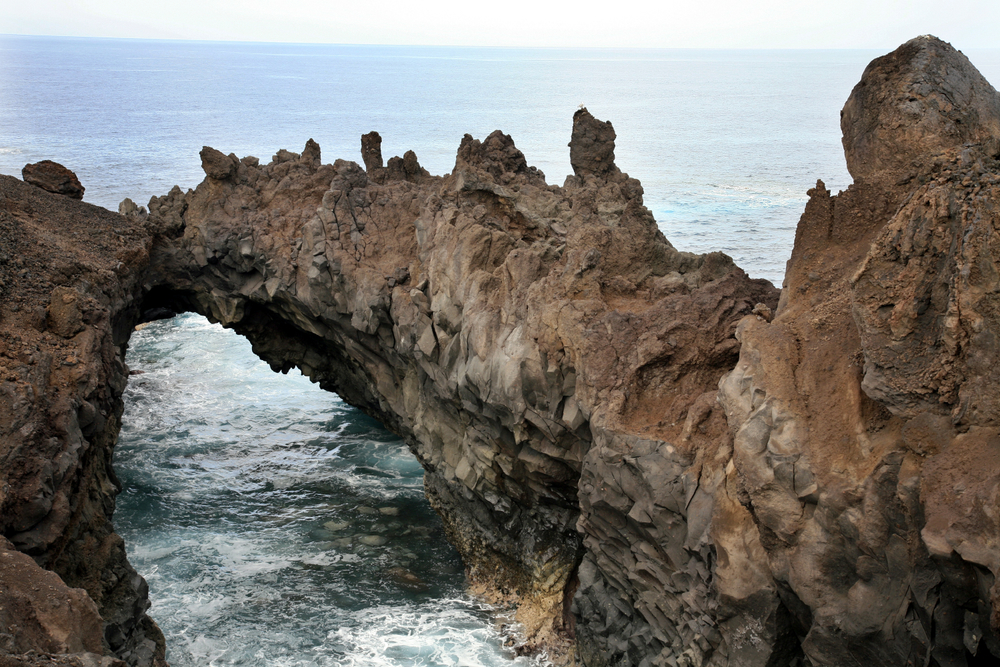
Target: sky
(874, 24)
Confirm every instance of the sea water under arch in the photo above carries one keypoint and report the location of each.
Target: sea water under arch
(275, 524)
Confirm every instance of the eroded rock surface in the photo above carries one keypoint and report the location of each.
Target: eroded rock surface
(520, 336)
(914, 105)
(53, 177)
(657, 461)
(39, 613)
(70, 283)
(865, 413)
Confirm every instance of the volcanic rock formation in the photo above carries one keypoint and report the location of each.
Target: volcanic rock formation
(515, 334)
(620, 437)
(70, 284)
(865, 414)
(54, 177)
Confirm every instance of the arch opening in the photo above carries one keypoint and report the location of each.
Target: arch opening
(276, 523)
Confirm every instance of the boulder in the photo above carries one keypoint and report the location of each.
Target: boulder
(217, 165)
(53, 177)
(912, 105)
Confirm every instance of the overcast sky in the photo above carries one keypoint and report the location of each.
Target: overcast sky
(876, 24)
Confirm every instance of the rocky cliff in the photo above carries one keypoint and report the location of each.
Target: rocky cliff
(620, 437)
(864, 414)
(70, 288)
(519, 336)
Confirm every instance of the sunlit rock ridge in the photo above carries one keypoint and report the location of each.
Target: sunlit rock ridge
(657, 460)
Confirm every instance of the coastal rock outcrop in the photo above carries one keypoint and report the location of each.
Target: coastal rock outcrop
(914, 106)
(651, 455)
(518, 335)
(864, 413)
(70, 284)
(53, 177)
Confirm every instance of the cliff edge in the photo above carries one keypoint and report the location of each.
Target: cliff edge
(620, 437)
(864, 413)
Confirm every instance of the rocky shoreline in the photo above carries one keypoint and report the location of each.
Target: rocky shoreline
(659, 460)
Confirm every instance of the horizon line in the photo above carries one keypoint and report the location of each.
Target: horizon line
(455, 46)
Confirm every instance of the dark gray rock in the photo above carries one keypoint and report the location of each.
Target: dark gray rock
(592, 146)
(371, 151)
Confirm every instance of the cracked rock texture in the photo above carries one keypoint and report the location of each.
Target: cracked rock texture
(69, 289)
(654, 458)
(865, 413)
(39, 613)
(53, 177)
(521, 337)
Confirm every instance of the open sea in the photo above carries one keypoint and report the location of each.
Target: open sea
(276, 525)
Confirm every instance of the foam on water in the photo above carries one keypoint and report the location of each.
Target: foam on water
(278, 526)
(447, 632)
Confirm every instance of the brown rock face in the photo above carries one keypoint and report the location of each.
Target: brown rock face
(592, 148)
(216, 164)
(865, 414)
(38, 612)
(53, 177)
(69, 288)
(911, 105)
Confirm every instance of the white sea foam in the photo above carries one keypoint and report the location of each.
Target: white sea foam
(444, 633)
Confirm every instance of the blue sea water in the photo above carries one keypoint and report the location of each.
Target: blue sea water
(725, 142)
(276, 525)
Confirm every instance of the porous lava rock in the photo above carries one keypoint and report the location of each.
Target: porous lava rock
(371, 151)
(865, 413)
(217, 164)
(519, 336)
(652, 456)
(53, 177)
(70, 284)
(592, 147)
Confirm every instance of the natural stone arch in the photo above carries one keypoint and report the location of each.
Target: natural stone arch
(826, 529)
(496, 323)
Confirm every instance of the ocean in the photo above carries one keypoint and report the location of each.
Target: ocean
(275, 524)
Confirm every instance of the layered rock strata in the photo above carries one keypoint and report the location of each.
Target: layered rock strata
(657, 461)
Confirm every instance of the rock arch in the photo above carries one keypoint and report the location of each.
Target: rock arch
(601, 446)
(498, 324)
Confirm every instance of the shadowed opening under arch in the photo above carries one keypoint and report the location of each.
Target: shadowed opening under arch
(274, 522)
